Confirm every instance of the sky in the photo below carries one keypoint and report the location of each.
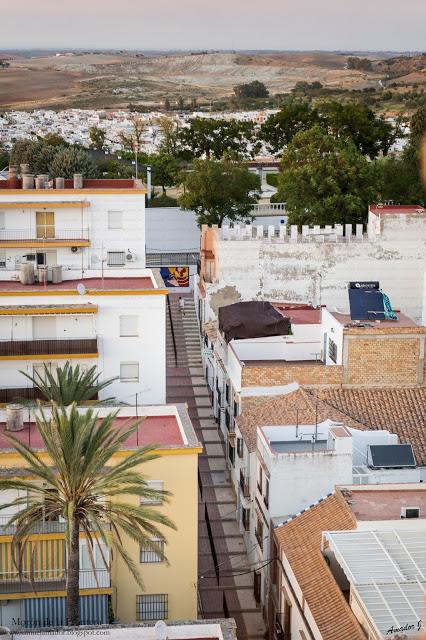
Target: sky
(397, 25)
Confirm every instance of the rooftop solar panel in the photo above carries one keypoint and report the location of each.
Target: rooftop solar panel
(366, 304)
(391, 456)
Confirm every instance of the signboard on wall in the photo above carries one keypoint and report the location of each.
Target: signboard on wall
(175, 277)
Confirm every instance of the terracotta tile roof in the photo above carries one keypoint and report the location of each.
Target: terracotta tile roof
(401, 411)
(286, 409)
(300, 541)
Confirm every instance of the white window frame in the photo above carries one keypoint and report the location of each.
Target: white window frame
(131, 378)
(129, 333)
(115, 219)
(153, 484)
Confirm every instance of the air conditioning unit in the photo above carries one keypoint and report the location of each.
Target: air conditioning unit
(130, 256)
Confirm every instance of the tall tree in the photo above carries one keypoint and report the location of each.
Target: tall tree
(69, 161)
(354, 121)
(97, 137)
(209, 138)
(254, 89)
(219, 189)
(280, 128)
(169, 134)
(80, 484)
(325, 181)
(133, 141)
(164, 170)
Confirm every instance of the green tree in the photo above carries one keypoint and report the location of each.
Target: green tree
(209, 138)
(4, 158)
(67, 162)
(280, 128)
(253, 89)
(325, 181)
(97, 137)
(219, 189)
(23, 152)
(133, 141)
(55, 140)
(69, 384)
(164, 170)
(354, 121)
(169, 134)
(79, 484)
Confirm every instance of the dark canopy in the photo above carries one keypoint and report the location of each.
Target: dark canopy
(252, 320)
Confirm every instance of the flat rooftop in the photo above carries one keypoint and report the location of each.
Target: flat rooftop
(383, 503)
(91, 284)
(299, 313)
(403, 321)
(15, 186)
(165, 426)
(379, 209)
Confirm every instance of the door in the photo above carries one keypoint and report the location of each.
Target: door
(48, 258)
(45, 224)
(44, 328)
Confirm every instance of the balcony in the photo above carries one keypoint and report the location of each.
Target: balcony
(47, 236)
(52, 580)
(21, 349)
(42, 527)
(244, 485)
(16, 394)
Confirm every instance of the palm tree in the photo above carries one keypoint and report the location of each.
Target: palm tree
(78, 485)
(69, 384)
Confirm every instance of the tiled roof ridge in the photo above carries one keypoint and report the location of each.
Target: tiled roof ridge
(299, 513)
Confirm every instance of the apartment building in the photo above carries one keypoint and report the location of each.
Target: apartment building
(73, 286)
(276, 262)
(351, 566)
(170, 589)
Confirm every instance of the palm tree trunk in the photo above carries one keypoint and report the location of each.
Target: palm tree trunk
(73, 575)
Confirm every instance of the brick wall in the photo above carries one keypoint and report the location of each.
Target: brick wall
(280, 374)
(383, 361)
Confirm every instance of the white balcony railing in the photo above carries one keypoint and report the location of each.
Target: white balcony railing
(47, 234)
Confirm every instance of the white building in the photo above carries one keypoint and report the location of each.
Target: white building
(73, 286)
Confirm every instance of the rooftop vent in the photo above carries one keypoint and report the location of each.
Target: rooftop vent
(14, 417)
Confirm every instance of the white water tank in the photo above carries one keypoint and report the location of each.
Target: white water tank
(60, 183)
(26, 273)
(40, 182)
(27, 181)
(14, 417)
(78, 181)
(57, 274)
(42, 274)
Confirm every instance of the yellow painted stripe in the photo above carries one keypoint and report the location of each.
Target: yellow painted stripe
(53, 594)
(92, 292)
(179, 451)
(12, 244)
(43, 204)
(44, 536)
(52, 356)
(33, 311)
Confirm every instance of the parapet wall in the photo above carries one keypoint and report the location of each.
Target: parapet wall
(292, 234)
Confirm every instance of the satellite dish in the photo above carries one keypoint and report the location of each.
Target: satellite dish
(81, 289)
(160, 630)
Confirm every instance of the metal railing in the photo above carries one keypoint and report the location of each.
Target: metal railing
(44, 234)
(48, 347)
(50, 526)
(172, 259)
(51, 579)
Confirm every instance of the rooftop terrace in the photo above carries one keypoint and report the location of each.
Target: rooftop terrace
(91, 284)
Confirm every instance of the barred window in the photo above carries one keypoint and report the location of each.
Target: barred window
(332, 350)
(152, 607)
(153, 484)
(148, 554)
(116, 258)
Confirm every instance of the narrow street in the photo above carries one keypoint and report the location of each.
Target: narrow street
(225, 586)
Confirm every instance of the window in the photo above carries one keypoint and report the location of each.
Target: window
(39, 370)
(2, 259)
(236, 409)
(259, 531)
(158, 485)
(152, 607)
(410, 512)
(260, 479)
(240, 447)
(128, 326)
(332, 350)
(231, 452)
(266, 495)
(116, 258)
(227, 394)
(115, 219)
(2, 220)
(245, 517)
(150, 554)
(129, 372)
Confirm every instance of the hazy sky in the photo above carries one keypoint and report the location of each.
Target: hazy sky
(239, 24)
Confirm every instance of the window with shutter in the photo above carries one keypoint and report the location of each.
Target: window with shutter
(128, 326)
(116, 258)
(115, 219)
(129, 372)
